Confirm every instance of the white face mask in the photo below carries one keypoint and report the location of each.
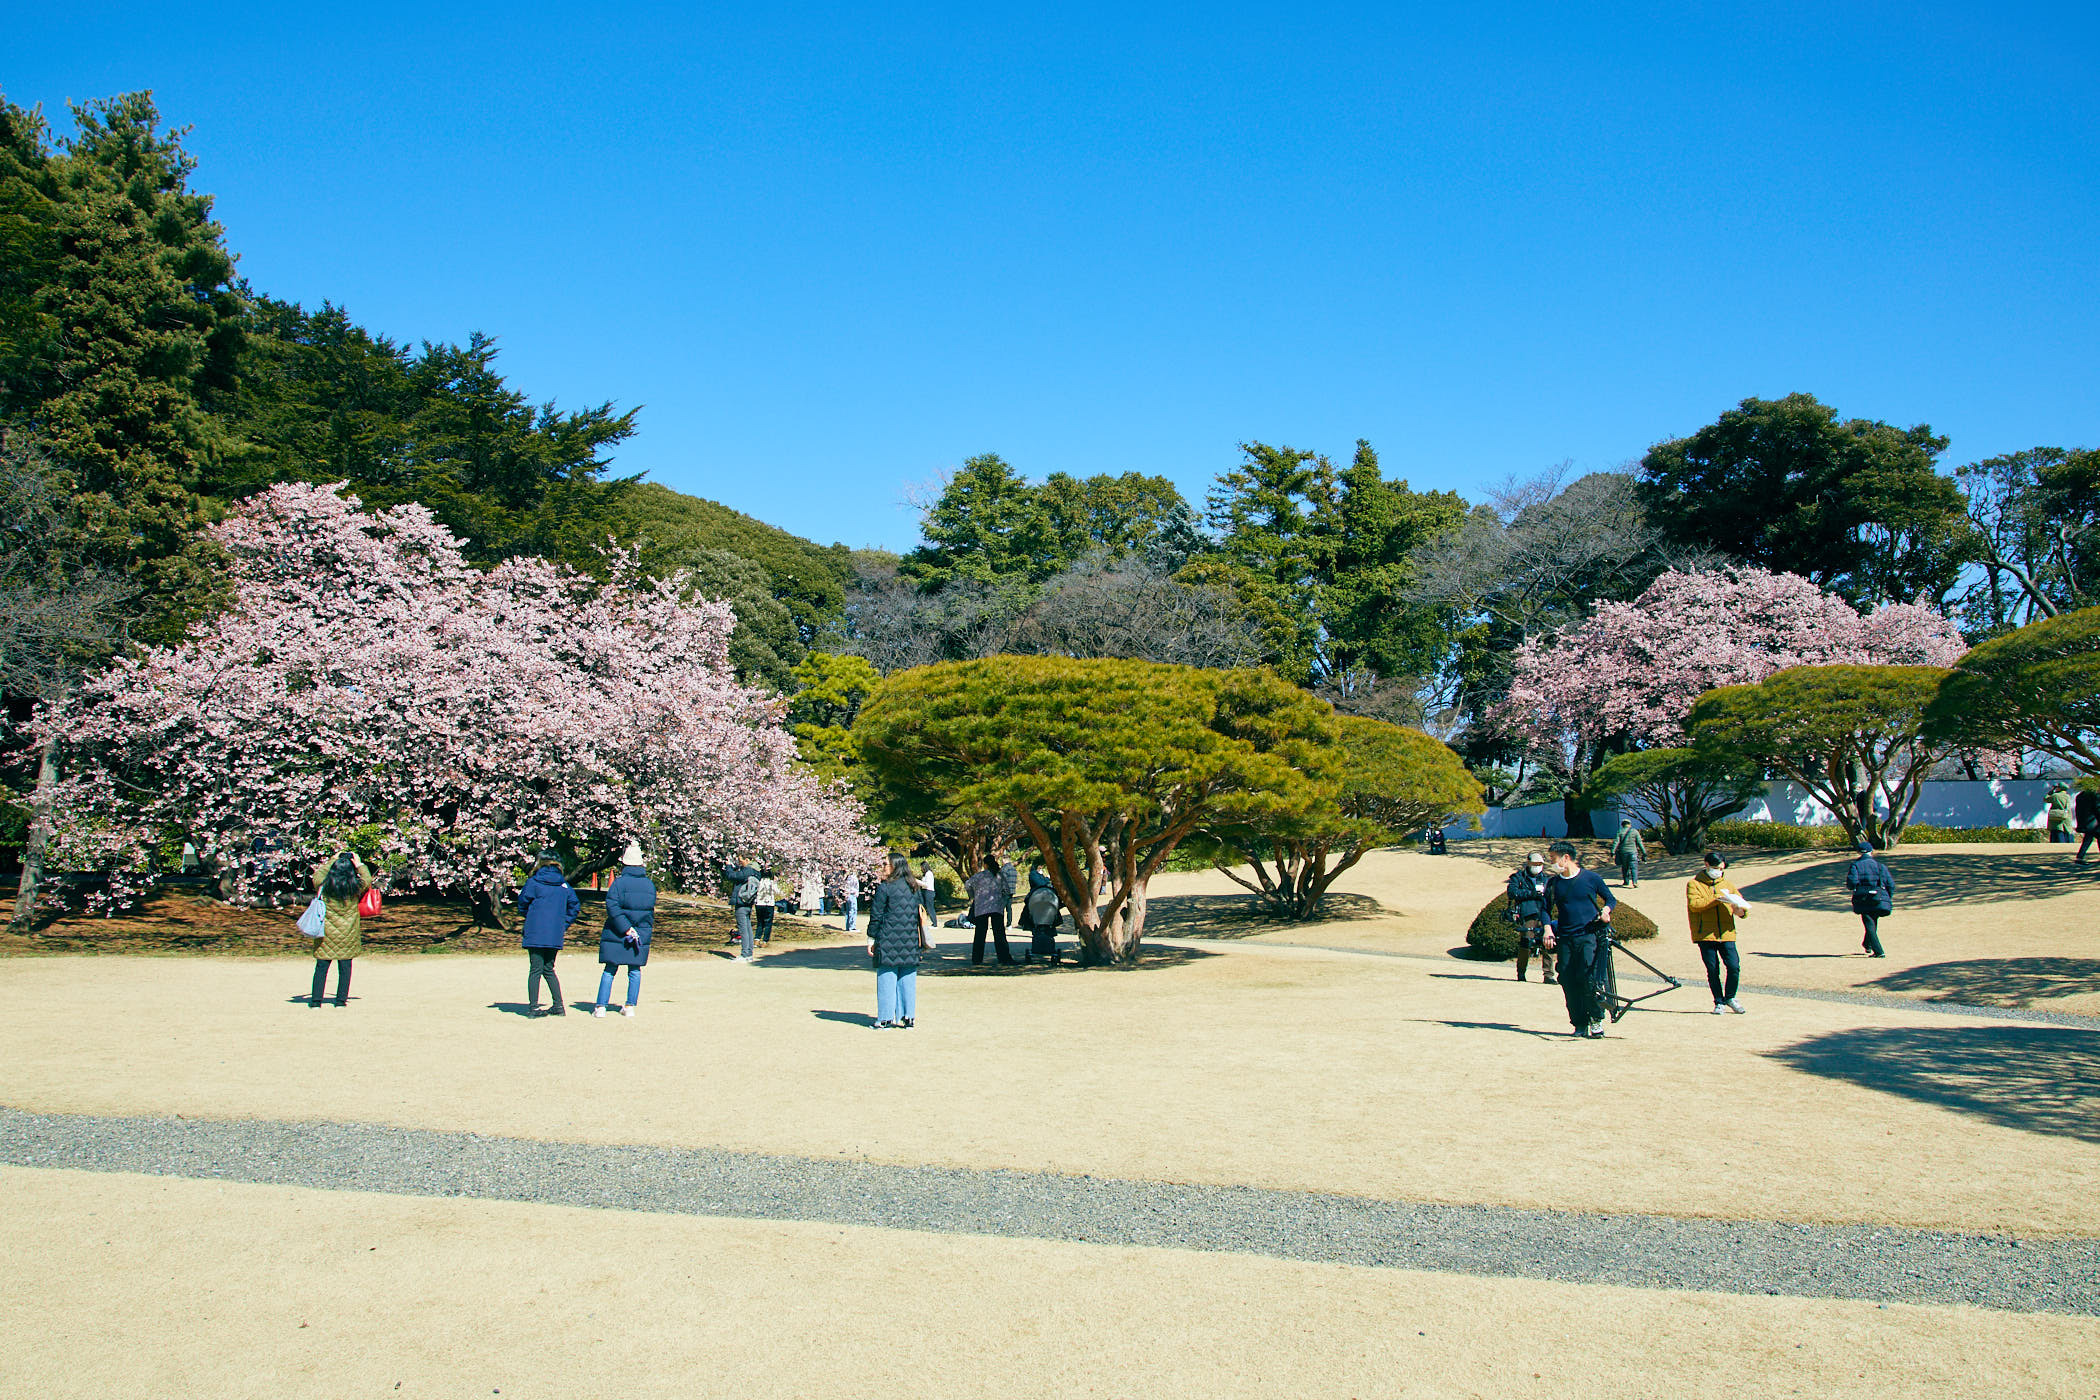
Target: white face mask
(1535, 869)
(1715, 874)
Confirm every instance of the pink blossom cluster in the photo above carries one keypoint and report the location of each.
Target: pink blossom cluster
(368, 684)
(1635, 668)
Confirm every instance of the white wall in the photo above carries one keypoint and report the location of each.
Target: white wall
(2008, 802)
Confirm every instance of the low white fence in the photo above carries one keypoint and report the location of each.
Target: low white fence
(2019, 803)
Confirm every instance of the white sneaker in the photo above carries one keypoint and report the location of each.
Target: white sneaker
(1720, 1008)
(1736, 1007)
(599, 1012)
(1596, 1030)
(628, 1012)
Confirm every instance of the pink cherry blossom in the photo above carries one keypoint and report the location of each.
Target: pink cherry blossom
(369, 685)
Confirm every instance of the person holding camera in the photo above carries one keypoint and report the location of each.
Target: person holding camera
(1578, 927)
(1527, 910)
(1713, 905)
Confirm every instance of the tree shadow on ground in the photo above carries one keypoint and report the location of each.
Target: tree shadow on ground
(1238, 916)
(951, 960)
(1927, 879)
(1996, 981)
(2038, 1079)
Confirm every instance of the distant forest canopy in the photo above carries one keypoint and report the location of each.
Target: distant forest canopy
(144, 385)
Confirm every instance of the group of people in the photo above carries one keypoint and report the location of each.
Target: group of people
(1563, 913)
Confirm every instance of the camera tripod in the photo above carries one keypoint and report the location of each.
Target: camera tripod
(1608, 983)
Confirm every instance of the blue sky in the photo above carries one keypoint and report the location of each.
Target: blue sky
(833, 250)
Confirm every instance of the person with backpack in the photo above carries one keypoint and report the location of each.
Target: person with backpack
(1040, 915)
(1627, 853)
(1713, 905)
(1527, 911)
(988, 912)
(1873, 895)
(341, 883)
(764, 906)
(549, 906)
(1578, 924)
(897, 934)
(630, 921)
(743, 879)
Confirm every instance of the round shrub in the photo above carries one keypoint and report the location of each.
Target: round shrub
(1493, 938)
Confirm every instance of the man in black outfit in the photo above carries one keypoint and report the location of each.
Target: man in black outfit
(1578, 918)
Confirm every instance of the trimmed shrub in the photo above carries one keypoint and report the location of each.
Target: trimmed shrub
(1493, 938)
(1922, 835)
(1778, 836)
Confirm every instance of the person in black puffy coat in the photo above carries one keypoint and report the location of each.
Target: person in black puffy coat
(896, 933)
(630, 918)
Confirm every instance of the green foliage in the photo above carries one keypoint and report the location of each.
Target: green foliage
(1839, 731)
(991, 528)
(1493, 938)
(1920, 834)
(1108, 765)
(1779, 836)
(1683, 789)
(1855, 505)
(829, 693)
(2035, 688)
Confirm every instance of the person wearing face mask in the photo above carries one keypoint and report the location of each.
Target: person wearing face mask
(1713, 904)
(1527, 910)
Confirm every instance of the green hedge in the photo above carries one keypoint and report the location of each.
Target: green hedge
(1493, 938)
(1778, 836)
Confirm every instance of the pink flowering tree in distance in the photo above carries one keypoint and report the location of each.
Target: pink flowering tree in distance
(1628, 677)
(369, 688)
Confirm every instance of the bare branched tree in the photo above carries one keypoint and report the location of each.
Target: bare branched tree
(1127, 608)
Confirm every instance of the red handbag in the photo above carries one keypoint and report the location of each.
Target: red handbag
(368, 903)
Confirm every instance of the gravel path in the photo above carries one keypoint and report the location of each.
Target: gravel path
(1880, 1264)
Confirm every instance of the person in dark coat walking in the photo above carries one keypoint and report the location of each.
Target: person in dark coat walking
(2085, 815)
(630, 919)
(897, 932)
(549, 907)
(1578, 921)
(1527, 910)
(1040, 915)
(988, 903)
(1873, 895)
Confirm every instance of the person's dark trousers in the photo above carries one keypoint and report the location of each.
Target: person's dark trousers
(2085, 842)
(542, 965)
(2059, 837)
(1527, 949)
(743, 927)
(933, 915)
(1872, 923)
(1714, 955)
(1581, 964)
(764, 922)
(996, 922)
(342, 981)
(1630, 872)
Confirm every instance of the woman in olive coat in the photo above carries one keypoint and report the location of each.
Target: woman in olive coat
(341, 882)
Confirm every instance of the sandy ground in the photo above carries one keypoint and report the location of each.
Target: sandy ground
(1255, 1064)
(203, 1289)
(1988, 925)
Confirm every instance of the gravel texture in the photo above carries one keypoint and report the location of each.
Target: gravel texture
(1875, 1263)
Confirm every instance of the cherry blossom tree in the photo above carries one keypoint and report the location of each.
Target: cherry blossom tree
(1633, 670)
(369, 688)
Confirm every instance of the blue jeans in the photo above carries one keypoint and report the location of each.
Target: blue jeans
(896, 994)
(605, 981)
(852, 905)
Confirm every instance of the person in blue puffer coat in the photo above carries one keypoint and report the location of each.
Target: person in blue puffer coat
(549, 907)
(630, 918)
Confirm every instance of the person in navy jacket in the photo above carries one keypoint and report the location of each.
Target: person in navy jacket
(630, 920)
(549, 907)
(1578, 920)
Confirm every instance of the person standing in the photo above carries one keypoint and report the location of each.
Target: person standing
(1040, 915)
(1873, 895)
(630, 921)
(341, 883)
(1713, 904)
(1578, 921)
(896, 936)
(850, 888)
(2085, 816)
(928, 887)
(809, 892)
(549, 906)
(1527, 910)
(1009, 885)
(764, 907)
(743, 879)
(2060, 817)
(1628, 852)
(988, 912)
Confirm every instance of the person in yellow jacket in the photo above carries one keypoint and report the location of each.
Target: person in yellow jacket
(1713, 905)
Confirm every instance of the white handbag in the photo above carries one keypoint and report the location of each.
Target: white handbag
(314, 922)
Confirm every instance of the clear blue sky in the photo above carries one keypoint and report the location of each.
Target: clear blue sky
(834, 250)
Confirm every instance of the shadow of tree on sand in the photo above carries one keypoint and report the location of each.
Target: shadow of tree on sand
(1996, 981)
(2041, 1080)
(1238, 916)
(1927, 879)
(953, 960)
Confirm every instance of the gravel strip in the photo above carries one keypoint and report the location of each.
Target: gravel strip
(1879, 1264)
(1627, 972)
